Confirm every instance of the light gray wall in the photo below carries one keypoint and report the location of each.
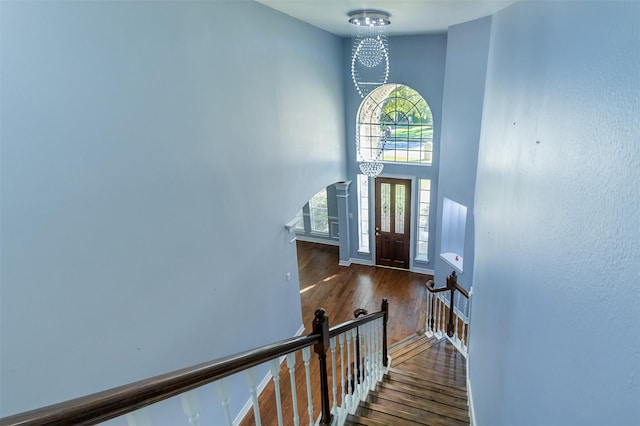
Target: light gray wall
(151, 154)
(418, 62)
(465, 73)
(554, 332)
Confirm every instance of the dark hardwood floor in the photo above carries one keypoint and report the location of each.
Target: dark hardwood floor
(340, 290)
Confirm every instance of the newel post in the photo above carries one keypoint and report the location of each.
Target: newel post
(385, 319)
(321, 327)
(452, 280)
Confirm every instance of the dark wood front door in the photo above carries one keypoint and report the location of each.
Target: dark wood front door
(393, 219)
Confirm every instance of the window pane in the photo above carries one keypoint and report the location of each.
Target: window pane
(363, 213)
(424, 196)
(398, 115)
(319, 213)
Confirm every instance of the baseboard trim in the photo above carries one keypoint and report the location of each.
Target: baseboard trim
(263, 384)
(424, 271)
(365, 262)
(369, 262)
(472, 413)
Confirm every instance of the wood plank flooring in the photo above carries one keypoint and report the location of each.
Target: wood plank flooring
(340, 290)
(426, 385)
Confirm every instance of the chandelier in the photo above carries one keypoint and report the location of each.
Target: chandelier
(371, 134)
(370, 50)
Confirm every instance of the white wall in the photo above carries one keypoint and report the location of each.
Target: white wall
(137, 138)
(555, 319)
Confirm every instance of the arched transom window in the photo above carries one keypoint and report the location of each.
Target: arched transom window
(395, 125)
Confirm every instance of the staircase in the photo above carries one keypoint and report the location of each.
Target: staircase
(426, 385)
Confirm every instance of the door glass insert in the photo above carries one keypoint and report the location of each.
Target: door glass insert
(400, 194)
(385, 214)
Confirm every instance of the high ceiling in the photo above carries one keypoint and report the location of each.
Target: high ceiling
(407, 16)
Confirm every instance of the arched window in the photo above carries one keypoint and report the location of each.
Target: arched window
(395, 125)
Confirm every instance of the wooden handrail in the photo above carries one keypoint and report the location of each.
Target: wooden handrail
(453, 278)
(105, 405)
(452, 286)
(108, 404)
(349, 325)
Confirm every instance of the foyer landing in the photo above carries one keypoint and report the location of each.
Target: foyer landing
(340, 290)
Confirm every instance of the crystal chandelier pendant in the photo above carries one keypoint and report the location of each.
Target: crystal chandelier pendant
(370, 50)
(371, 168)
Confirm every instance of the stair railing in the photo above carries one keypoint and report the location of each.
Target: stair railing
(446, 316)
(134, 399)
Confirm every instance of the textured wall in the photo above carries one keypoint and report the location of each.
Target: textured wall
(465, 73)
(151, 154)
(554, 333)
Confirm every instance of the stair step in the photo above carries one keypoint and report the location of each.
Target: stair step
(410, 375)
(437, 374)
(362, 421)
(396, 414)
(407, 343)
(414, 349)
(417, 405)
(399, 379)
(423, 395)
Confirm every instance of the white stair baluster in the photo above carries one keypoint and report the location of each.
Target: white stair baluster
(139, 418)
(191, 406)
(427, 327)
(334, 388)
(222, 389)
(465, 324)
(357, 365)
(348, 371)
(253, 388)
(291, 365)
(370, 382)
(343, 405)
(456, 317)
(274, 368)
(436, 323)
(378, 349)
(306, 356)
(443, 313)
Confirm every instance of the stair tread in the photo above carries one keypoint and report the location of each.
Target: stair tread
(362, 421)
(415, 404)
(408, 343)
(408, 376)
(423, 396)
(456, 380)
(403, 416)
(419, 386)
(415, 350)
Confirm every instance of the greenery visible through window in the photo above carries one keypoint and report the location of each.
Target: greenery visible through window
(396, 118)
(319, 213)
(363, 213)
(424, 197)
